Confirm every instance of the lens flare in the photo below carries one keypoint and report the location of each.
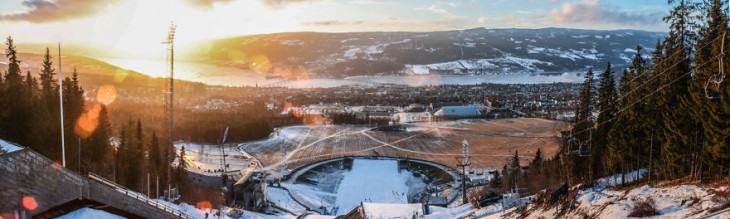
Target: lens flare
(87, 122)
(106, 94)
(30, 203)
(203, 205)
(260, 64)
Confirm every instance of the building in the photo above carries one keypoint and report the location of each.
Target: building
(249, 192)
(458, 111)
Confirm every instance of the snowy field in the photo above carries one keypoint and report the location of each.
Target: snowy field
(372, 181)
(369, 181)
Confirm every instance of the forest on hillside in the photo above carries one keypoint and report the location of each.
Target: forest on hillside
(124, 148)
(669, 114)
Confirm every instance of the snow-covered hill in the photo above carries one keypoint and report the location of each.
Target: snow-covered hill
(473, 51)
(604, 201)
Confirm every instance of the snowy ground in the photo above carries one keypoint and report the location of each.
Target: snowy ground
(207, 159)
(281, 198)
(369, 181)
(372, 181)
(7, 147)
(89, 213)
(602, 201)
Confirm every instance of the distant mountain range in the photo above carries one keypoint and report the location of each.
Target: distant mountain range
(473, 51)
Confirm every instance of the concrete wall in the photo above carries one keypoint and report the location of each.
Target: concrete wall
(26, 173)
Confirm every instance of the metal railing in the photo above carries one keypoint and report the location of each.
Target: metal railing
(138, 196)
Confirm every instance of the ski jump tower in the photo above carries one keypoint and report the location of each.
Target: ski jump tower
(169, 99)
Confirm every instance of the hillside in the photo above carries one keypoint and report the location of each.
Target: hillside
(93, 73)
(473, 51)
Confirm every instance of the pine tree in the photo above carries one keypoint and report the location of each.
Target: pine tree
(120, 161)
(537, 161)
(710, 101)
(99, 143)
(496, 182)
(584, 112)
(140, 154)
(516, 162)
(48, 86)
(618, 135)
(183, 164)
(676, 125)
(607, 100)
(133, 159)
(155, 156)
(580, 135)
(15, 112)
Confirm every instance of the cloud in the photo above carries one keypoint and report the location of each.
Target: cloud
(367, 2)
(591, 12)
(440, 7)
(44, 11)
(275, 4)
(332, 23)
(283, 3)
(205, 4)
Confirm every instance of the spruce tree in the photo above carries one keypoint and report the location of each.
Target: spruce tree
(618, 135)
(607, 101)
(155, 157)
(15, 101)
(120, 161)
(710, 96)
(676, 125)
(47, 82)
(99, 143)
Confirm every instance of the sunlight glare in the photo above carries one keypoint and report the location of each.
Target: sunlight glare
(106, 94)
(88, 122)
(260, 64)
(30, 203)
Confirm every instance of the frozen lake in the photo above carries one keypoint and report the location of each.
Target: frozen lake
(229, 76)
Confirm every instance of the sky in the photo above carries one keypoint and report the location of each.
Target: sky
(138, 26)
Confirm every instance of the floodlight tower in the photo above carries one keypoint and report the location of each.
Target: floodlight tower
(169, 98)
(463, 162)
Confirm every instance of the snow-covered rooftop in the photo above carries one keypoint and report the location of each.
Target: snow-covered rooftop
(458, 111)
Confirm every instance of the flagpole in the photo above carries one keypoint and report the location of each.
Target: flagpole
(60, 103)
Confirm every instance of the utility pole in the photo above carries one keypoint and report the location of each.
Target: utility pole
(79, 164)
(224, 174)
(60, 97)
(463, 162)
(170, 100)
